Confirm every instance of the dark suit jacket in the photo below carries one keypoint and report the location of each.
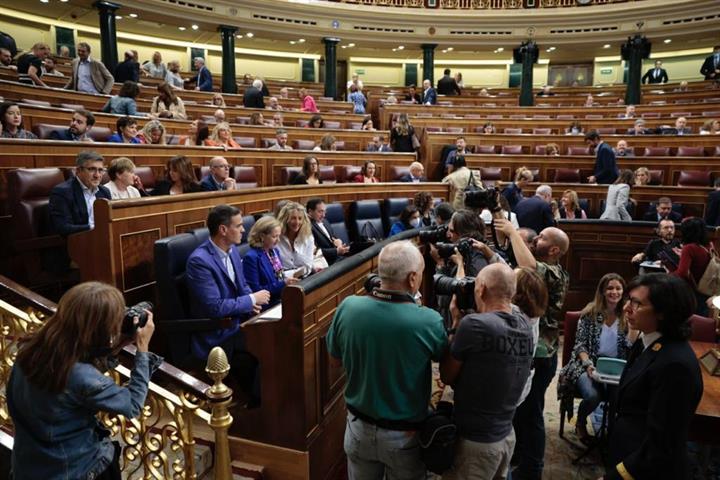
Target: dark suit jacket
(68, 212)
(659, 391)
(649, 77)
(253, 98)
(416, 98)
(708, 68)
(447, 86)
(127, 70)
(260, 275)
(383, 148)
(325, 243)
(208, 184)
(430, 97)
(203, 80)
(163, 188)
(606, 170)
(652, 216)
(408, 178)
(64, 135)
(712, 214)
(534, 212)
(214, 295)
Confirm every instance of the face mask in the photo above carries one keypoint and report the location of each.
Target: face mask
(415, 223)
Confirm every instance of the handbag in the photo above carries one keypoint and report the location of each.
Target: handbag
(415, 142)
(368, 237)
(709, 283)
(438, 437)
(470, 187)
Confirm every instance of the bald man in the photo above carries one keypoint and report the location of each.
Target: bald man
(416, 174)
(489, 363)
(549, 247)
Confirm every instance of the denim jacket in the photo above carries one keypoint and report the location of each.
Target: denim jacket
(57, 435)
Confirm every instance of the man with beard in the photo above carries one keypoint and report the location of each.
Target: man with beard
(662, 246)
(81, 123)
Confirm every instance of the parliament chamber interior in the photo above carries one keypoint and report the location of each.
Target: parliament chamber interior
(240, 167)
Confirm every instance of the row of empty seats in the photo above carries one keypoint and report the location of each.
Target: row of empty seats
(682, 151)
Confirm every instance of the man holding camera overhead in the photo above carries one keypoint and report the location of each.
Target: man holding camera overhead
(548, 247)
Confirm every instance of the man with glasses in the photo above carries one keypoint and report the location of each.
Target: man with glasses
(71, 202)
(219, 178)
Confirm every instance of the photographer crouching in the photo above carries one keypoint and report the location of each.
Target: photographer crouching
(57, 385)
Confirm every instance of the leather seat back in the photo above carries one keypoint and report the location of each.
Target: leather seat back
(391, 210)
(335, 216)
(28, 200)
(366, 219)
(245, 177)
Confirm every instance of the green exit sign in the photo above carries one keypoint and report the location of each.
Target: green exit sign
(606, 71)
(360, 71)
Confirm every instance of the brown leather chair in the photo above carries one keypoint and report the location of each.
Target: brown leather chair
(355, 126)
(242, 120)
(490, 175)
(267, 142)
(39, 103)
(691, 151)
(512, 131)
(567, 175)
(607, 130)
(657, 151)
(593, 116)
(656, 177)
(340, 145)
(147, 177)
(542, 131)
(702, 329)
(679, 114)
(72, 106)
(539, 150)
(396, 173)
(43, 130)
(578, 150)
(717, 151)
(334, 124)
(288, 174)
(246, 142)
(541, 117)
(99, 134)
(245, 177)
(694, 178)
(455, 130)
(511, 149)
(346, 173)
(563, 116)
(327, 174)
(304, 144)
(433, 129)
(301, 123)
(650, 115)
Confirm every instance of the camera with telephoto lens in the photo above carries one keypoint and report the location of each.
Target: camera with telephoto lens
(462, 288)
(129, 327)
(482, 199)
(446, 250)
(433, 235)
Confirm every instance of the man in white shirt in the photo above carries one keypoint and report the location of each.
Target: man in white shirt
(332, 247)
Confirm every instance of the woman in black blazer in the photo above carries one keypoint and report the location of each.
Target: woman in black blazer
(660, 387)
(180, 178)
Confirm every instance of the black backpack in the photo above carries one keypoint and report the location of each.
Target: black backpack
(438, 437)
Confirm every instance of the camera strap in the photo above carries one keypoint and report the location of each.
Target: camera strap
(393, 296)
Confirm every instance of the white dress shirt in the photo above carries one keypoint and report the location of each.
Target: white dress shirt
(84, 77)
(118, 194)
(89, 196)
(649, 338)
(299, 256)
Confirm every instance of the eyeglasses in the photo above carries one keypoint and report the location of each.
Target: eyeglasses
(94, 170)
(635, 305)
(225, 167)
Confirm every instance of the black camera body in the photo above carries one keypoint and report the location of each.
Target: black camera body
(482, 199)
(462, 288)
(446, 250)
(371, 282)
(433, 235)
(129, 327)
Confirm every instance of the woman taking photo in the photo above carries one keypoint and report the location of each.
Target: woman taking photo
(180, 178)
(310, 172)
(367, 173)
(167, 104)
(409, 218)
(617, 198)
(123, 182)
(262, 265)
(401, 136)
(602, 332)
(153, 133)
(513, 192)
(694, 258)
(296, 244)
(459, 180)
(570, 206)
(424, 203)
(124, 102)
(57, 387)
(221, 137)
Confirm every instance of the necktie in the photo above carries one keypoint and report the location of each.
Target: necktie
(657, 72)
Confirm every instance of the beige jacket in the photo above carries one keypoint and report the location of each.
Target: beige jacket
(102, 79)
(177, 110)
(459, 180)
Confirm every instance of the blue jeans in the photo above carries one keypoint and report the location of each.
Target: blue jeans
(529, 423)
(374, 453)
(591, 393)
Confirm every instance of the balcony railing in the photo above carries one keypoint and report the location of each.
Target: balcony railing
(479, 4)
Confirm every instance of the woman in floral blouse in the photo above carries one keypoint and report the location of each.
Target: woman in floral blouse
(11, 125)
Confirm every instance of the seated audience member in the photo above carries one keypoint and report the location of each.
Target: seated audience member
(221, 137)
(126, 128)
(124, 102)
(281, 140)
(367, 173)
(460, 149)
(316, 121)
(602, 331)
(6, 59)
(712, 213)
(332, 247)
(391, 100)
(683, 87)
(412, 95)
(513, 192)
(218, 100)
(409, 218)
(378, 144)
(358, 100)
(711, 127)
(93, 77)
(310, 172)
(367, 124)
(80, 124)
(197, 133)
(488, 382)
(123, 181)
(172, 77)
(253, 96)
(308, 102)
(216, 285)
(570, 206)
(56, 385)
(396, 332)
(663, 209)
(179, 178)
(443, 213)
(203, 79)
(617, 198)
(30, 65)
(546, 91)
(296, 244)
(167, 104)
(680, 128)
(155, 68)
(662, 380)
(416, 173)
(459, 180)
(71, 202)
(552, 150)
(219, 115)
(575, 128)
(219, 177)
(424, 203)
(327, 144)
(11, 124)
(489, 128)
(622, 150)
(284, 93)
(262, 265)
(642, 177)
(629, 112)
(535, 212)
(278, 121)
(64, 51)
(606, 169)
(505, 212)
(661, 247)
(274, 104)
(640, 128)
(694, 258)
(128, 69)
(589, 100)
(153, 133)
(257, 118)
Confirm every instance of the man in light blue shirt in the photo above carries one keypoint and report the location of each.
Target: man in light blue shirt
(88, 75)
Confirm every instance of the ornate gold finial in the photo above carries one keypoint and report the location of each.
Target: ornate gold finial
(217, 368)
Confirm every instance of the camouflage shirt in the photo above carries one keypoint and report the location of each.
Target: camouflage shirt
(557, 281)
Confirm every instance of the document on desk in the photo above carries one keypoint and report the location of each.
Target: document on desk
(273, 314)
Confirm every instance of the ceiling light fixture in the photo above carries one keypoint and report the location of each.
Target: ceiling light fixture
(292, 42)
(401, 47)
(118, 17)
(250, 35)
(501, 49)
(667, 40)
(450, 49)
(131, 15)
(195, 27)
(239, 35)
(302, 40)
(607, 45)
(44, 1)
(343, 46)
(350, 45)
(182, 29)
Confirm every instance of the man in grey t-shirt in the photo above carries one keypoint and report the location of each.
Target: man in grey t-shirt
(491, 356)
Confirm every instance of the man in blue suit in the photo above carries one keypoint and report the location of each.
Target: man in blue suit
(81, 123)
(606, 169)
(219, 178)
(535, 212)
(71, 202)
(203, 79)
(429, 93)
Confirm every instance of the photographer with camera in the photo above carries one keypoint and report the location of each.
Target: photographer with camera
(460, 178)
(57, 385)
(548, 247)
(386, 341)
